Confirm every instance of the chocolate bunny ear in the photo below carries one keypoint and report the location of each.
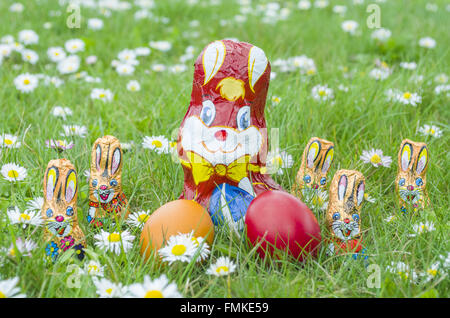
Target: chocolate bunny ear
(116, 160)
(422, 160)
(328, 160)
(71, 185)
(342, 187)
(50, 181)
(98, 156)
(360, 193)
(313, 152)
(405, 156)
(212, 59)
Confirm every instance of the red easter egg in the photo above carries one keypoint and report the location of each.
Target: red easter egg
(279, 219)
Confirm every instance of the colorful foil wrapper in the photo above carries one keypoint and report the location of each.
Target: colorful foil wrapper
(344, 210)
(222, 142)
(107, 201)
(60, 209)
(411, 178)
(316, 162)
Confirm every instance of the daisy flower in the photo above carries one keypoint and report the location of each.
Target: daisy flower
(322, 93)
(178, 248)
(304, 5)
(408, 98)
(158, 67)
(56, 54)
(441, 89)
(160, 144)
(223, 266)
(125, 69)
(35, 204)
(16, 7)
(138, 219)
(104, 95)
(421, 228)
(157, 288)
(350, 26)
(142, 51)
(402, 270)
(74, 130)
(376, 158)
(108, 289)
(277, 161)
(9, 289)
(91, 59)
(24, 247)
(28, 217)
(369, 198)
(127, 145)
(275, 100)
(63, 112)
(379, 74)
(74, 45)
(94, 268)
(59, 145)
(317, 198)
(29, 56)
(445, 260)
(95, 24)
(201, 246)
(9, 141)
(133, 86)
(114, 241)
(5, 50)
(408, 65)
(321, 4)
(381, 34)
(13, 172)
(69, 65)
(162, 46)
(127, 56)
(430, 130)
(427, 42)
(431, 272)
(28, 37)
(26, 82)
(441, 78)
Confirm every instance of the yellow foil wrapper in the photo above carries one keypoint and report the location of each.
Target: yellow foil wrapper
(107, 199)
(59, 210)
(316, 162)
(411, 177)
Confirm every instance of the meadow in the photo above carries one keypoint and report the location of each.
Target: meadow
(128, 73)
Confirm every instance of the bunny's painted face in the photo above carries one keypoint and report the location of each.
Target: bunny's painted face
(346, 197)
(60, 190)
(411, 178)
(106, 169)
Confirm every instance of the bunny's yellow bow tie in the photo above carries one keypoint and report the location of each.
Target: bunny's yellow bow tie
(202, 170)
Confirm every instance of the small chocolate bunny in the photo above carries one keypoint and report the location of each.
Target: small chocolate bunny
(344, 210)
(107, 201)
(411, 178)
(59, 210)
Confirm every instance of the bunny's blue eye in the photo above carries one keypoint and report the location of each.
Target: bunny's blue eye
(208, 112)
(355, 217)
(419, 182)
(243, 118)
(113, 182)
(69, 211)
(323, 181)
(94, 182)
(336, 216)
(49, 213)
(307, 179)
(401, 182)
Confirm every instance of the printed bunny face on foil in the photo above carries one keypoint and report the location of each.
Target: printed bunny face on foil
(316, 162)
(344, 208)
(60, 203)
(411, 178)
(105, 183)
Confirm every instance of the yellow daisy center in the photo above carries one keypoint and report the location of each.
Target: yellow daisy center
(222, 269)
(322, 92)
(432, 272)
(178, 250)
(24, 217)
(432, 131)
(376, 159)
(407, 95)
(26, 81)
(311, 72)
(143, 218)
(102, 95)
(195, 240)
(153, 294)
(157, 143)
(8, 141)
(2, 295)
(109, 291)
(12, 252)
(13, 174)
(318, 200)
(114, 237)
(93, 268)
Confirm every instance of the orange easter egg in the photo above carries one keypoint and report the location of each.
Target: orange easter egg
(179, 216)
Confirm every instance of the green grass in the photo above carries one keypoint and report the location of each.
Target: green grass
(359, 119)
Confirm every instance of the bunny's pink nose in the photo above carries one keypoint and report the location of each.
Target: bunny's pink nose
(59, 218)
(103, 187)
(347, 220)
(221, 135)
(410, 187)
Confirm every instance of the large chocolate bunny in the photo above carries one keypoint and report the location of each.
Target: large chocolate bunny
(316, 161)
(344, 210)
(411, 178)
(107, 201)
(59, 210)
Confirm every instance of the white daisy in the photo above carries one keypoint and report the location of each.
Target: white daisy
(69, 65)
(403, 270)
(26, 82)
(275, 100)
(127, 56)
(379, 74)
(127, 145)
(9, 289)
(142, 51)
(369, 198)
(445, 260)
(317, 198)
(441, 78)
(24, 247)
(376, 158)
(408, 98)
(350, 26)
(158, 67)
(444, 88)
(160, 144)
(223, 266)
(102, 94)
(340, 9)
(138, 219)
(430, 130)
(94, 268)
(421, 228)
(13, 172)
(9, 141)
(115, 241)
(74, 45)
(5, 50)
(431, 272)
(202, 247)
(408, 65)
(278, 160)
(91, 59)
(29, 56)
(28, 37)
(125, 69)
(60, 111)
(178, 68)
(427, 42)
(178, 248)
(95, 24)
(56, 54)
(108, 289)
(74, 130)
(27, 217)
(157, 288)
(16, 7)
(381, 34)
(133, 86)
(162, 46)
(304, 5)
(321, 4)
(322, 93)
